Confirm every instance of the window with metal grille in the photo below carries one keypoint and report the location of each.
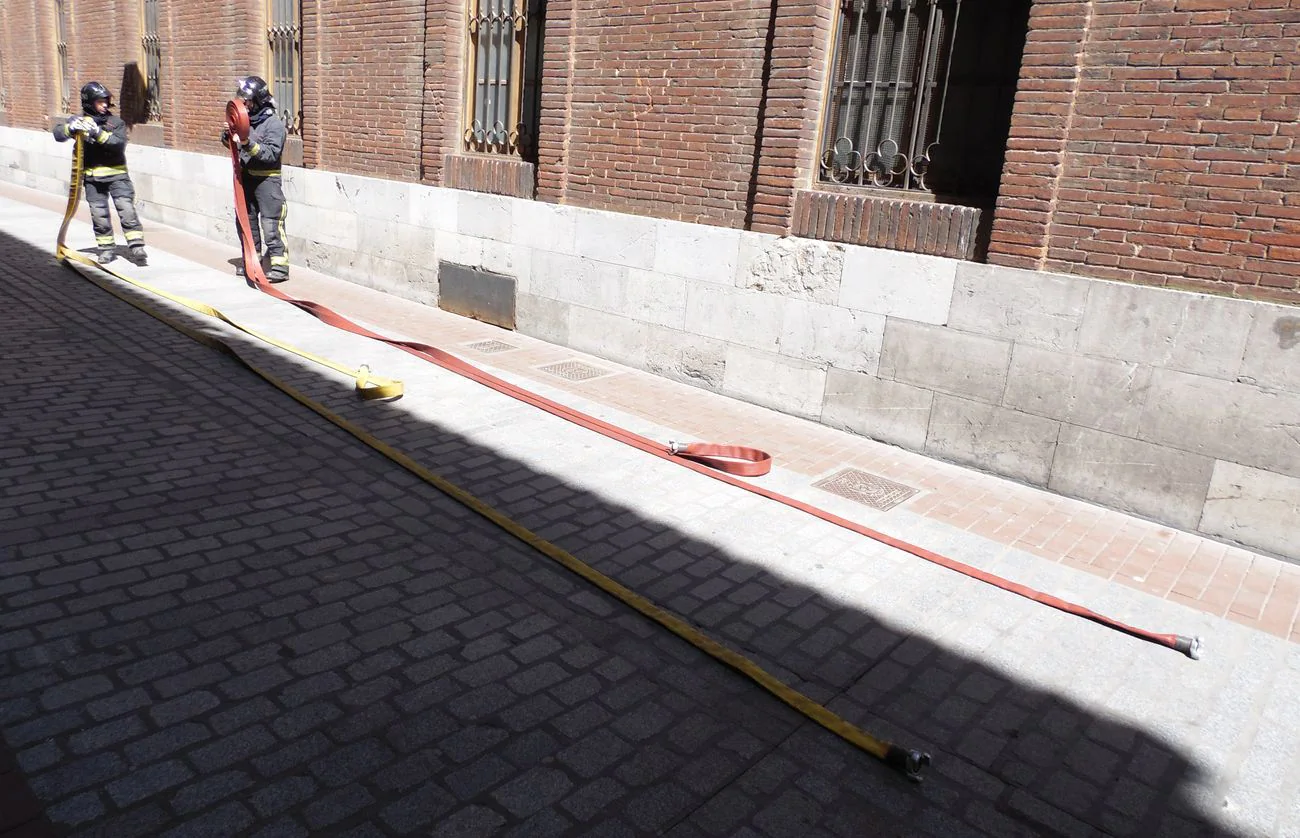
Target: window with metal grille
(152, 46)
(284, 39)
(61, 48)
(4, 93)
(502, 90)
(922, 95)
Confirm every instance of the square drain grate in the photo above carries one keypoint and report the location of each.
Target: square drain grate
(574, 371)
(866, 488)
(488, 347)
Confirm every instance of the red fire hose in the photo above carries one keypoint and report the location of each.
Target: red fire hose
(721, 462)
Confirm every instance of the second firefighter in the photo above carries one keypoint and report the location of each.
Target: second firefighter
(259, 159)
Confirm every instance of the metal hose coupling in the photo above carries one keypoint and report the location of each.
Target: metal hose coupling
(907, 762)
(1190, 646)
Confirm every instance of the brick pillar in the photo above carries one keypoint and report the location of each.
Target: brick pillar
(444, 77)
(794, 76)
(313, 86)
(1050, 76)
(557, 102)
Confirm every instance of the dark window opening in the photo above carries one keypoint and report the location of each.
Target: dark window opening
(921, 95)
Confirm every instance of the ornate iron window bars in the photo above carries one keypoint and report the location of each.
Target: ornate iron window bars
(884, 117)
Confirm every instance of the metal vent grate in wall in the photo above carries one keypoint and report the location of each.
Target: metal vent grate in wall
(488, 347)
(866, 488)
(575, 371)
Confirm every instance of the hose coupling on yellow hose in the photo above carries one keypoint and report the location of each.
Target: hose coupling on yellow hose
(911, 764)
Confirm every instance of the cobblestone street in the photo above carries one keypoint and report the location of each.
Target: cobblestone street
(221, 615)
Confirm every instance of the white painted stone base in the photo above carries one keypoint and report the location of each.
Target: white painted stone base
(1180, 407)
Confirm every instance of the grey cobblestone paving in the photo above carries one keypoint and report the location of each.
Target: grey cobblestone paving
(219, 615)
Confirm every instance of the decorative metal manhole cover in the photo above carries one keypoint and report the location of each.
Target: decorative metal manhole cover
(574, 371)
(866, 488)
(489, 346)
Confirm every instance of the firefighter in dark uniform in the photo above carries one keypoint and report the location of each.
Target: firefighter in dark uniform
(259, 159)
(105, 174)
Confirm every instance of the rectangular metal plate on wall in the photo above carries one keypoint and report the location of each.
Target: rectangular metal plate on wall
(476, 293)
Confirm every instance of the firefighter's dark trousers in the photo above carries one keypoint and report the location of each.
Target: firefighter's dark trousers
(267, 211)
(122, 191)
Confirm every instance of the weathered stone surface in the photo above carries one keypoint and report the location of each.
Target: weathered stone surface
(434, 208)
(697, 251)
(875, 407)
(626, 240)
(1255, 507)
(458, 248)
(685, 357)
(394, 240)
(773, 381)
(484, 216)
(607, 335)
(543, 317)
(321, 189)
(544, 226)
(791, 267)
(1091, 392)
(945, 360)
(1131, 475)
(1176, 330)
(737, 316)
(905, 285)
(656, 298)
(508, 259)
(1029, 307)
(387, 200)
(830, 335)
(1273, 349)
(1224, 420)
(585, 282)
(986, 436)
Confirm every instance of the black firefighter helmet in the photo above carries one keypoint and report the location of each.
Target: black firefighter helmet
(91, 93)
(253, 90)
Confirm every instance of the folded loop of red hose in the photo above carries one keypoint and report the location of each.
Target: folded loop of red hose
(739, 460)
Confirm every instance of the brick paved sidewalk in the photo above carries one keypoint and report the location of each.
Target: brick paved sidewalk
(212, 527)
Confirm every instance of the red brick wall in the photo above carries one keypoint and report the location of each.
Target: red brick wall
(17, 52)
(660, 101)
(104, 46)
(365, 85)
(207, 47)
(30, 66)
(1152, 141)
(1170, 157)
